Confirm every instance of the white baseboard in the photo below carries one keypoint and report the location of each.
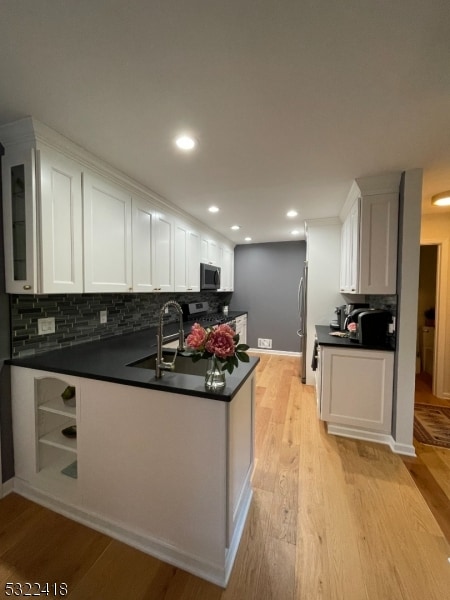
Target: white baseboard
(199, 566)
(281, 352)
(371, 436)
(7, 487)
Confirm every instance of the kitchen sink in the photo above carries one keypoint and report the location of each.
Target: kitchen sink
(183, 364)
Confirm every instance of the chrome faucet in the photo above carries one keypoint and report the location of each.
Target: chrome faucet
(161, 365)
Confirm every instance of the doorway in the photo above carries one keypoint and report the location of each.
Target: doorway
(426, 319)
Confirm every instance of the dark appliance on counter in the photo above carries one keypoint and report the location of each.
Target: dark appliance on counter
(349, 310)
(339, 323)
(209, 277)
(372, 326)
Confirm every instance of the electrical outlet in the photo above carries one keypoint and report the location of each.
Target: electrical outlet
(264, 343)
(103, 316)
(46, 326)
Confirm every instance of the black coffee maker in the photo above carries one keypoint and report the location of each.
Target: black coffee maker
(339, 322)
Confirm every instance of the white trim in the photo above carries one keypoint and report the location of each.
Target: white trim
(371, 436)
(7, 487)
(280, 352)
(442, 267)
(215, 573)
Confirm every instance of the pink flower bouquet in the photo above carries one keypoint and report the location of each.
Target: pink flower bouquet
(220, 341)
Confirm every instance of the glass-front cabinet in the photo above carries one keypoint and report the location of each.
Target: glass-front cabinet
(42, 221)
(18, 175)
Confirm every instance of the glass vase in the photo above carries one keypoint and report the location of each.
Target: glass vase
(215, 377)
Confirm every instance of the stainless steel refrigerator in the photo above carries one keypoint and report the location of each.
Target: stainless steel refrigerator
(301, 332)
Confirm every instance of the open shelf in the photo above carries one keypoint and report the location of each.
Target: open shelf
(57, 439)
(56, 405)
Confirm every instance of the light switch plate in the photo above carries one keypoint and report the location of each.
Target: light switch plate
(103, 316)
(46, 326)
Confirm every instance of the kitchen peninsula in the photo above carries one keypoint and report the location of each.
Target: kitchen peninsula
(161, 464)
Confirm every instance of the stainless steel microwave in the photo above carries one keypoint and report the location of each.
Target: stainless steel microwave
(209, 277)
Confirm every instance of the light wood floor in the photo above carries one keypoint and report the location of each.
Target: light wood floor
(431, 468)
(331, 519)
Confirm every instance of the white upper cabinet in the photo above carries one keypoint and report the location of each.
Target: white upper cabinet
(164, 252)
(349, 280)
(42, 222)
(209, 251)
(107, 236)
(370, 236)
(73, 224)
(19, 221)
(143, 217)
(227, 269)
(61, 223)
(187, 258)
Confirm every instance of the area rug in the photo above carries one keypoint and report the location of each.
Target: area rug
(432, 425)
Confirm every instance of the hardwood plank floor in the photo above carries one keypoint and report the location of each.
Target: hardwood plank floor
(331, 519)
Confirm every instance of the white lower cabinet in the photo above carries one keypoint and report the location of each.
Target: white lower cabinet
(241, 328)
(164, 472)
(356, 388)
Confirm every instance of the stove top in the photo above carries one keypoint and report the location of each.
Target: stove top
(199, 311)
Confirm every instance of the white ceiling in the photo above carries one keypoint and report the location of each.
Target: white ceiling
(290, 100)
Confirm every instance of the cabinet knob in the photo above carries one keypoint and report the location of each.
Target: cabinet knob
(27, 287)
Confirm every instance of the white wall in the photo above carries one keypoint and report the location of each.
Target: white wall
(435, 229)
(408, 291)
(323, 253)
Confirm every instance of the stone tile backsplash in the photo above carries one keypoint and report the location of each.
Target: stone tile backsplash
(77, 316)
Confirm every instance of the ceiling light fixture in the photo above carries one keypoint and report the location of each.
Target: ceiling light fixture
(185, 142)
(442, 199)
(235, 227)
(295, 232)
(248, 239)
(213, 209)
(291, 213)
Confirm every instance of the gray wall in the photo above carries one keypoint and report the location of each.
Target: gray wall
(266, 278)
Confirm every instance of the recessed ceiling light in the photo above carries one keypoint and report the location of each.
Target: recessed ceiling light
(292, 213)
(295, 232)
(248, 239)
(442, 199)
(185, 142)
(235, 227)
(213, 209)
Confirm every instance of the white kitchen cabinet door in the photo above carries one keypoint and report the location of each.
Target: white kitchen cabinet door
(43, 222)
(143, 245)
(61, 239)
(241, 328)
(209, 252)
(163, 253)
(350, 251)
(187, 258)
(378, 248)
(227, 269)
(107, 236)
(357, 388)
(19, 217)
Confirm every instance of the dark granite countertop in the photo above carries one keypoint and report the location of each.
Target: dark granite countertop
(325, 339)
(107, 360)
